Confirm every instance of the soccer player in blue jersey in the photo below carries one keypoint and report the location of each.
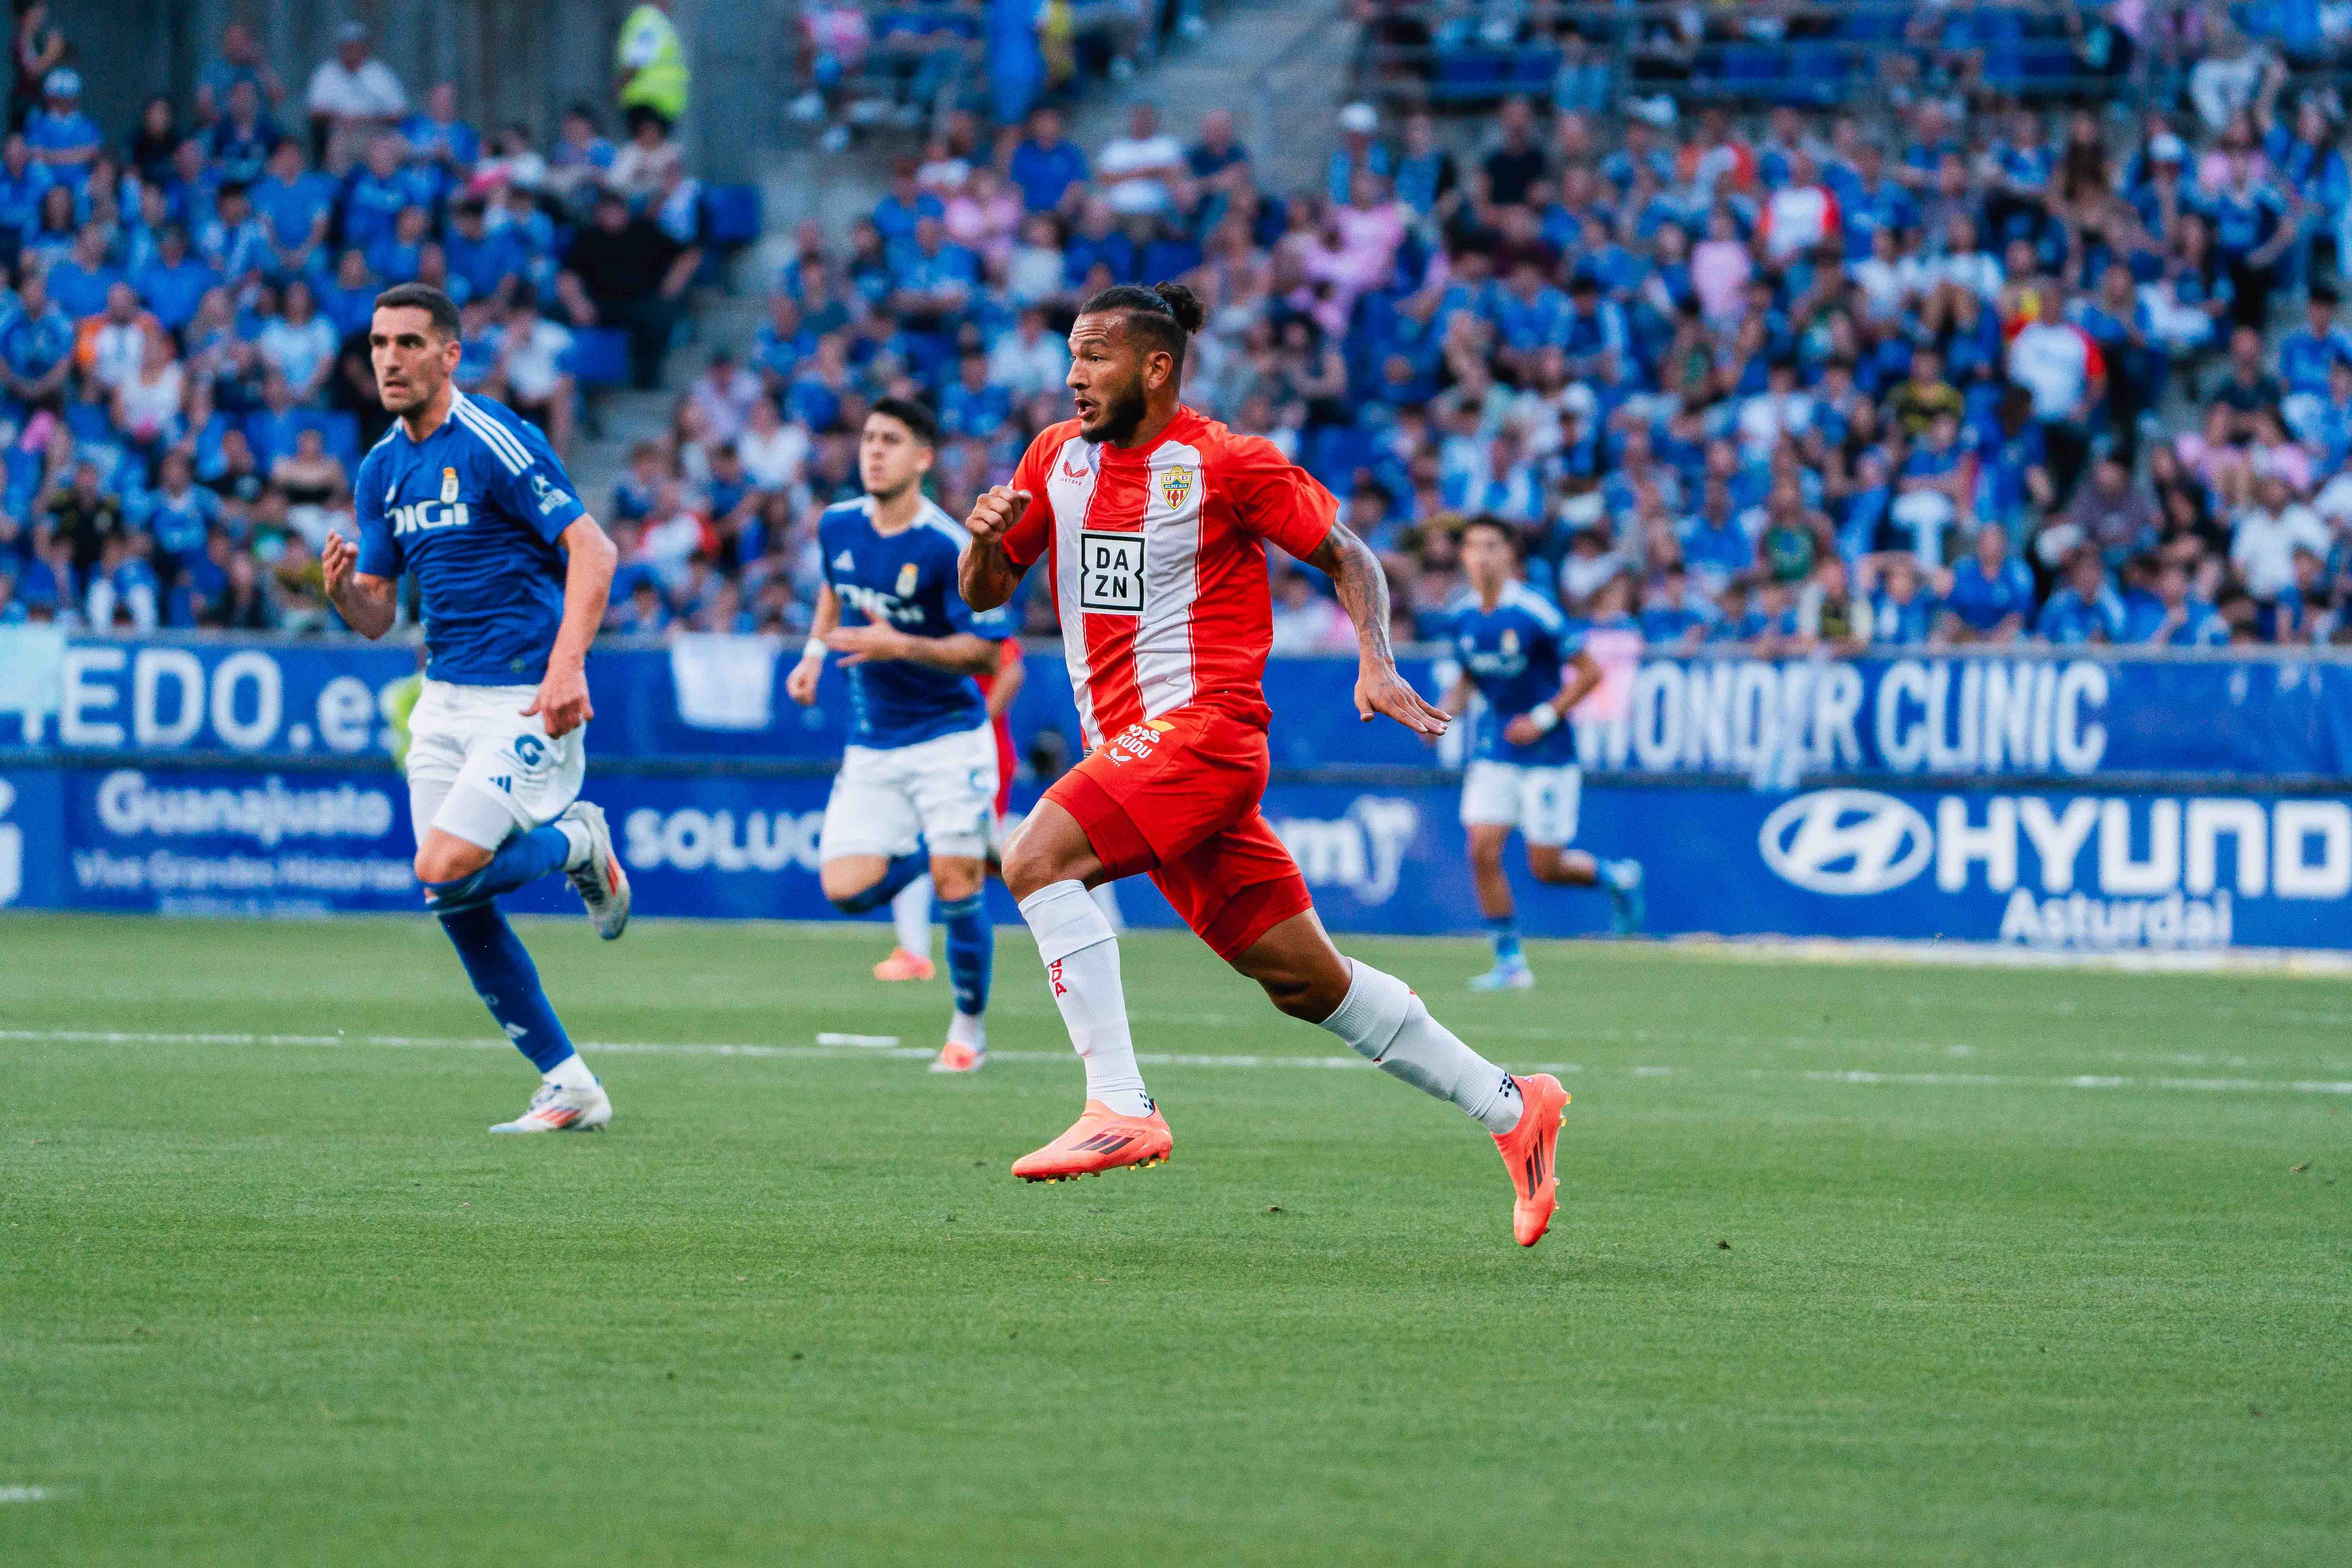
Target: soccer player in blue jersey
(513, 575)
(917, 789)
(1521, 655)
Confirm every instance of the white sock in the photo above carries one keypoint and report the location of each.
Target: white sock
(968, 1029)
(1081, 956)
(569, 1073)
(575, 833)
(1106, 900)
(1382, 1018)
(911, 911)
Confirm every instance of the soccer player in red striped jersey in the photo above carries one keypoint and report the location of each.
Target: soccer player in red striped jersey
(1154, 521)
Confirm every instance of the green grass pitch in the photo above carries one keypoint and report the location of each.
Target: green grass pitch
(273, 1301)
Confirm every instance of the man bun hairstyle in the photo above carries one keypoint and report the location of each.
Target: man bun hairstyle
(1166, 314)
(918, 420)
(425, 298)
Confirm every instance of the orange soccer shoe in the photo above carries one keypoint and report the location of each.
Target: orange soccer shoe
(1100, 1139)
(1529, 1151)
(904, 965)
(957, 1056)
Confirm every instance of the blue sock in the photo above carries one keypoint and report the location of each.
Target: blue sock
(971, 951)
(1504, 931)
(507, 983)
(525, 857)
(896, 876)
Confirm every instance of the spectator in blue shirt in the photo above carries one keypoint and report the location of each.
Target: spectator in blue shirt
(377, 191)
(63, 139)
(241, 60)
(295, 207)
(241, 141)
(174, 282)
(971, 408)
(36, 346)
(80, 282)
(1715, 547)
(233, 243)
(1991, 597)
(2085, 609)
(903, 205)
(347, 300)
(22, 181)
(2305, 354)
(2171, 617)
(479, 262)
(1903, 608)
(1044, 165)
(1669, 615)
(439, 137)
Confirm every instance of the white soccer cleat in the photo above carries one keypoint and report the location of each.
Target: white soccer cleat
(1508, 975)
(555, 1109)
(603, 886)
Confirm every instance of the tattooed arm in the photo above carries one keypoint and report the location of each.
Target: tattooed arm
(1356, 572)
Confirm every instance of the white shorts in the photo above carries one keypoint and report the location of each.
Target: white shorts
(473, 756)
(940, 794)
(1539, 801)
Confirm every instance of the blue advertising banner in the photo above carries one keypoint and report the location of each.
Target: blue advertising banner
(2095, 869)
(1940, 715)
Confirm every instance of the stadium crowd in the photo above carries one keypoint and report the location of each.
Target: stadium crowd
(1965, 372)
(184, 388)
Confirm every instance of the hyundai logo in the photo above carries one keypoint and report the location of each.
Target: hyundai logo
(1847, 842)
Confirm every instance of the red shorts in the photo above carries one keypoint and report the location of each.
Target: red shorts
(1178, 796)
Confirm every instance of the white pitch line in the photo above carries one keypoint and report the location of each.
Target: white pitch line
(2086, 1080)
(1162, 1058)
(26, 1494)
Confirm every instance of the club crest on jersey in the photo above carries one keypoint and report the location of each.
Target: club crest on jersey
(907, 574)
(449, 486)
(1510, 640)
(1175, 484)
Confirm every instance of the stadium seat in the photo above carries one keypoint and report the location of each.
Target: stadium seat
(731, 215)
(89, 421)
(599, 356)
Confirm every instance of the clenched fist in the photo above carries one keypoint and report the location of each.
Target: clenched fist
(994, 515)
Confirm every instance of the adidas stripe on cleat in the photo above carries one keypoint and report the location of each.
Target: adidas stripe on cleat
(1100, 1139)
(1530, 1152)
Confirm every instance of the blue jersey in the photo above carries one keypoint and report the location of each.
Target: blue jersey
(475, 510)
(1513, 654)
(905, 580)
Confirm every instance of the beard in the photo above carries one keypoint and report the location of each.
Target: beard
(1117, 417)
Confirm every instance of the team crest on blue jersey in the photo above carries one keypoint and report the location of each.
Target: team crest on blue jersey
(909, 576)
(1510, 641)
(1175, 484)
(449, 486)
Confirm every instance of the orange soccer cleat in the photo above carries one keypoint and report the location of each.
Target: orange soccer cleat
(1529, 1151)
(1100, 1139)
(957, 1056)
(904, 965)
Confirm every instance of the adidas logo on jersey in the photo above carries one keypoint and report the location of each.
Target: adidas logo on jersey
(842, 563)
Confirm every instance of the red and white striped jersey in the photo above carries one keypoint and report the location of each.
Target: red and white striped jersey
(1159, 563)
